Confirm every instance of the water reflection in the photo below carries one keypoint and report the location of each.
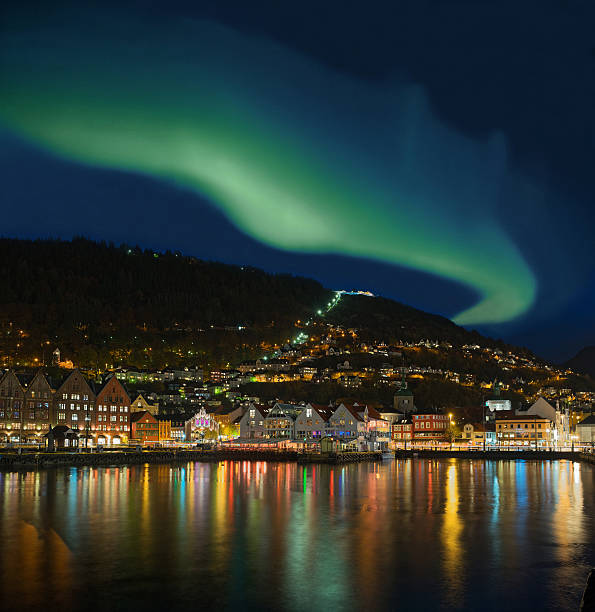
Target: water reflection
(410, 534)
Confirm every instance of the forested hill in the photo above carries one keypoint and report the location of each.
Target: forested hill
(55, 283)
(105, 304)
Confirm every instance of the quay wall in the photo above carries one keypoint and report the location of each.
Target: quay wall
(496, 455)
(14, 461)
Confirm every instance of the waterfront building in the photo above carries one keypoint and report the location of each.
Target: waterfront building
(25, 407)
(112, 415)
(37, 408)
(279, 423)
(200, 426)
(348, 423)
(559, 418)
(12, 398)
(164, 428)
(530, 431)
(429, 428)
(140, 404)
(402, 432)
(585, 430)
(74, 406)
(144, 428)
(311, 422)
(378, 430)
(252, 422)
(476, 433)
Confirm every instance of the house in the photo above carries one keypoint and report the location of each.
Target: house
(144, 428)
(586, 430)
(112, 425)
(140, 404)
(74, 406)
(280, 421)
(252, 421)
(311, 422)
(347, 423)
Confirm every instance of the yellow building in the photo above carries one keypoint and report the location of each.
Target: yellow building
(530, 431)
(141, 404)
(164, 430)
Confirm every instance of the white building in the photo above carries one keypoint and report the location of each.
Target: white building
(586, 430)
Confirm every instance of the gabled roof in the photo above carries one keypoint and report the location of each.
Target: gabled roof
(374, 414)
(323, 411)
(10, 374)
(137, 416)
(74, 372)
(356, 411)
(589, 421)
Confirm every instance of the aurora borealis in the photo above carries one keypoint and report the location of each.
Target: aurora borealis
(297, 154)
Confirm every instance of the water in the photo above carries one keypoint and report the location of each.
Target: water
(407, 535)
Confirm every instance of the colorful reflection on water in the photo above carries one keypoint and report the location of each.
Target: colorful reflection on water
(412, 535)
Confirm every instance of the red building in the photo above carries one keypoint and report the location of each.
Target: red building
(429, 427)
(144, 428)
(402, 433)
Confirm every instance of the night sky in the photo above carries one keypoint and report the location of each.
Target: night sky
(439, 153)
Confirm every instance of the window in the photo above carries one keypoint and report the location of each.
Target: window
(113, 418)
(74, 417)
(309, 413)
(61, 416)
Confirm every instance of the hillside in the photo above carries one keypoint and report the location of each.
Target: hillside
(583, 361)
(106, 303)
(121, 305)
(381, 318)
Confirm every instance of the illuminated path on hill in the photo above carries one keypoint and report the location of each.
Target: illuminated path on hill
(297, 156)
(302, 337)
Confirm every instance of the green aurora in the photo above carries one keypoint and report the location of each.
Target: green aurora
(296, 156)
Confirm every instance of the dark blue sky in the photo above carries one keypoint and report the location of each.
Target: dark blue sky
(525, 71)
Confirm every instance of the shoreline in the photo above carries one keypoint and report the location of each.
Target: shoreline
(496, 455)
(33, 461)
(42, 460)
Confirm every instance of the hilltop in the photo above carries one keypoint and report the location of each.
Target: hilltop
(583, 361)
